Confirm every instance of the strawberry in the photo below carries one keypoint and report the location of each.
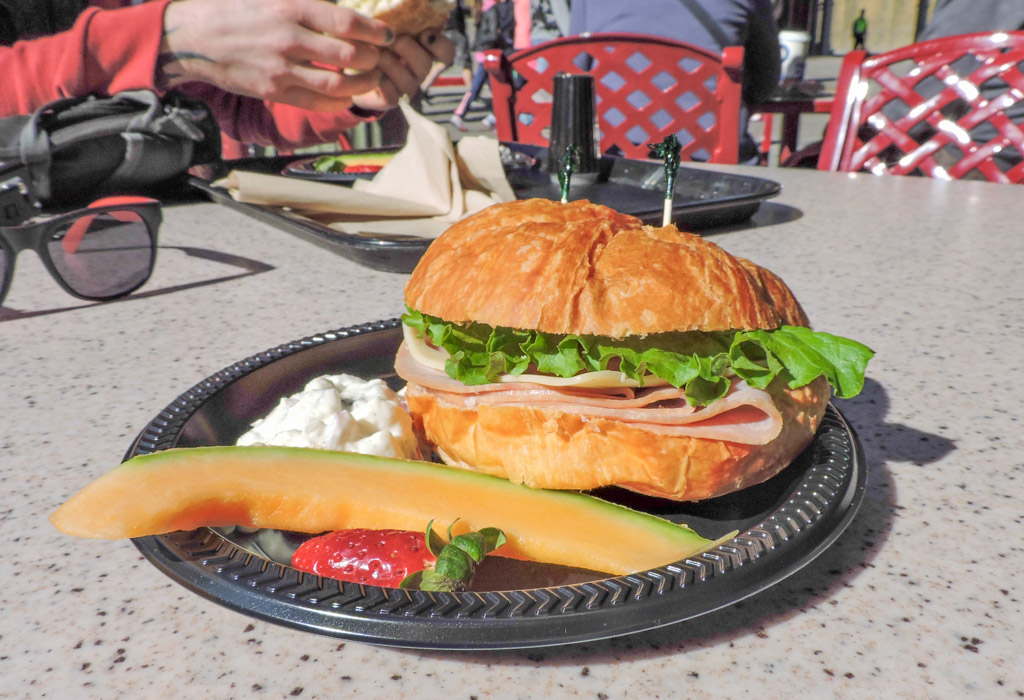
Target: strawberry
(398, 558)
(372, 557)
(356, 168)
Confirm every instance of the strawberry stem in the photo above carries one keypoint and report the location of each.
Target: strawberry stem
(457, 559)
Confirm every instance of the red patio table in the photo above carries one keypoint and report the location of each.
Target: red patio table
(791, 104)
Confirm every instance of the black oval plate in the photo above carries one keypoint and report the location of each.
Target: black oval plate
(783, 524)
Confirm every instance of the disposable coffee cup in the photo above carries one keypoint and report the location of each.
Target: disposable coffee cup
(794, 45)
(573, 122)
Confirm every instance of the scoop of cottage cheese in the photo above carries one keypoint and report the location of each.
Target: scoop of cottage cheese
(339, 412)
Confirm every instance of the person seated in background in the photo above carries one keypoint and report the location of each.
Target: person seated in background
(710, 24)
(283, 73)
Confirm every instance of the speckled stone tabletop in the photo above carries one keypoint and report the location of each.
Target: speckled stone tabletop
(919, 598)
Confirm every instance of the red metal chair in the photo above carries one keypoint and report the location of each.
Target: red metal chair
(935, 108)
(645, 88)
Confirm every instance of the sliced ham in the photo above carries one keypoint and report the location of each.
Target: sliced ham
(744, 415)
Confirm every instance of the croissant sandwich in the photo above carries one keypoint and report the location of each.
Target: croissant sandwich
(568, 346)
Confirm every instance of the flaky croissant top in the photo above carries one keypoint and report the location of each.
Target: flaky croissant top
(585, 269)
(404, 16)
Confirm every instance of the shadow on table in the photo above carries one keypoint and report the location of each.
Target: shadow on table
(813, 586)
(768, 214)
(251, 267)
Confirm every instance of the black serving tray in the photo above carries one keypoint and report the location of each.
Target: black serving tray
(783, 524)
(703, 199)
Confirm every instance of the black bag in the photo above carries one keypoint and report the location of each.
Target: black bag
(81, 148)
(27, 19)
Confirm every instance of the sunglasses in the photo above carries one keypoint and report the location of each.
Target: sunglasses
(104, 251)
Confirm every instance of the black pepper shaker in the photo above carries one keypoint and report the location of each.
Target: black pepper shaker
(573, 122)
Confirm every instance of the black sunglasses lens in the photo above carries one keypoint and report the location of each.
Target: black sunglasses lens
(103, 255)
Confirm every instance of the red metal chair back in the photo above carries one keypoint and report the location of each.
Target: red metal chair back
(935, 108)
(645, 88)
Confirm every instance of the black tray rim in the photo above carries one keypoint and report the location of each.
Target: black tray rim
(401, 255)
(816, 513)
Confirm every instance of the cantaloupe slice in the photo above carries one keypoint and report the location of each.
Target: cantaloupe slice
(314, 491)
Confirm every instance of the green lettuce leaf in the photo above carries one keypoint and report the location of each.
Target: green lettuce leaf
(700, 363)
(807, 354)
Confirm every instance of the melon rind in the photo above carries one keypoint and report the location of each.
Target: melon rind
(314, 491)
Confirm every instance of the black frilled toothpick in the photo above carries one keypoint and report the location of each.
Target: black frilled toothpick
(570, 163)
(668, 150)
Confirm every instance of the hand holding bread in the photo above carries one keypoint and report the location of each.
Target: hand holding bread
(419, 45)
(308, 53)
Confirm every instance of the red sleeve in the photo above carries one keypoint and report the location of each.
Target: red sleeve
(106, 51)
(109, 51)
(251, 120)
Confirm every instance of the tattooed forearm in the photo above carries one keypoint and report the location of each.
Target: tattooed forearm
(183, 56)
(171, 69)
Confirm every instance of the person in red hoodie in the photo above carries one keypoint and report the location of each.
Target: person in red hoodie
(287, 73)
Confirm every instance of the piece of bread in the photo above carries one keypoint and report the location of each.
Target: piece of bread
(585, 269)
(404, 16)
(554, 450)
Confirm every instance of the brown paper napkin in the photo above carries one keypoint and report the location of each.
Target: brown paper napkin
(428, 185)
